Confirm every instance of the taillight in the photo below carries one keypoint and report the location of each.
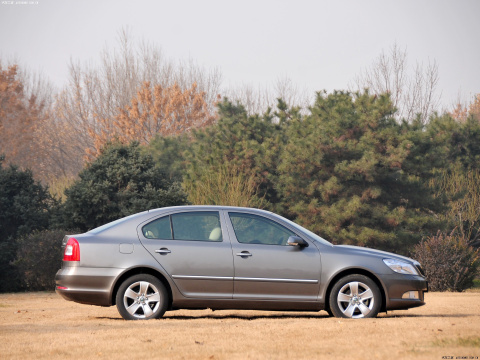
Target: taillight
(72, 250)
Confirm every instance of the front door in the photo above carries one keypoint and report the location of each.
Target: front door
(191, 247)
(266, 268)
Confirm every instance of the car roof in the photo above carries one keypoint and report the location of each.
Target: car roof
(145, 215)
(208, 207)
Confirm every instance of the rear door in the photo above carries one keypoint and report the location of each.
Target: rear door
(193, 248)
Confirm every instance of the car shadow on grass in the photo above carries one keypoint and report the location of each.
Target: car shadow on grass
(288, 316)
(247, 317)
(305, 316)
(391, 316)
(232, 316)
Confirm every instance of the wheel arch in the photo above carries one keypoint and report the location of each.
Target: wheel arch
(358, 271)
(137, 271)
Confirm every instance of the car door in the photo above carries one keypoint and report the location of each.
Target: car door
(266, 267)
(192, 248)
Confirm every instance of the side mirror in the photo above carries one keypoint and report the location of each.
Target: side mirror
(296, 241)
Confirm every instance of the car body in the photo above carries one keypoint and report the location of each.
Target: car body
(219, 257)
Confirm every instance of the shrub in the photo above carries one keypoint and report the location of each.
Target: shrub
(225, 185)
(39, 256)
(120, 182)
(25, 205)
(449, 262)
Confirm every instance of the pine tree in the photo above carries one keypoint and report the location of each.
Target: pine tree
(249, 144)
(351, 173)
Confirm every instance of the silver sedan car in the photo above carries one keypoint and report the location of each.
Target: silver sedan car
(219, 257)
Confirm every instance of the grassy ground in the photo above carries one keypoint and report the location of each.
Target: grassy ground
(44, 326)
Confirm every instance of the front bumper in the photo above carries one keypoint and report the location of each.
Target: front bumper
(86, 285)
(397, 285)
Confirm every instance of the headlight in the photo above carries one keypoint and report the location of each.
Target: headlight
(400, 267)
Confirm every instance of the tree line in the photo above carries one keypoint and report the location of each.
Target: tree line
(140, 132)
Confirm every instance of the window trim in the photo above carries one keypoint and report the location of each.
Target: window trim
(264, 218)
(142, 226)
(216, 212)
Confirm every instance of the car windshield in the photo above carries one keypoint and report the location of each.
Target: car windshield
(110, 224)
(309, 233)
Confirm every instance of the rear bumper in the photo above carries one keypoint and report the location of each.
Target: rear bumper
(86, 285)
(397, 285)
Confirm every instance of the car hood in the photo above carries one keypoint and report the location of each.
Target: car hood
(373, 252)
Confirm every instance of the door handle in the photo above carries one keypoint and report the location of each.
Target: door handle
(163, 251)
(243, 253)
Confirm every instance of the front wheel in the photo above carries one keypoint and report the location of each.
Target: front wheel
(142, 297)
(355, 296)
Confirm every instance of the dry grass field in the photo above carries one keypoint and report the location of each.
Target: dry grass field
(44, 326)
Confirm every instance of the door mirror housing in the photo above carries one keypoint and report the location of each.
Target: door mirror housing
(296, 241)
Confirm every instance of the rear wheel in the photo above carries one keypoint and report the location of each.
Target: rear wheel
(142, 297)
(355, 296)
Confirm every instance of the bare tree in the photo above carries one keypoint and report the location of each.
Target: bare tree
(292, 93)
(25, 104)
(413, 90)
(99, 91)
(165, 111)
(51, 154)
(255, 100)
(463, 109)
(258, 100)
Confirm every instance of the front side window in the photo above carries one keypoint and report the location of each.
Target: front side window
(253, 229)
(194, 226)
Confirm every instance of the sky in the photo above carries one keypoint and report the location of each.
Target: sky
(316, 44)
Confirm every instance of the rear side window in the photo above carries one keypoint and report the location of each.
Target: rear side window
(193, 226)
(158, 229)
(200, 226)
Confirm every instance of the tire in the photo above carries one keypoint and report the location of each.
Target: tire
(142, 297)
(355, 296)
